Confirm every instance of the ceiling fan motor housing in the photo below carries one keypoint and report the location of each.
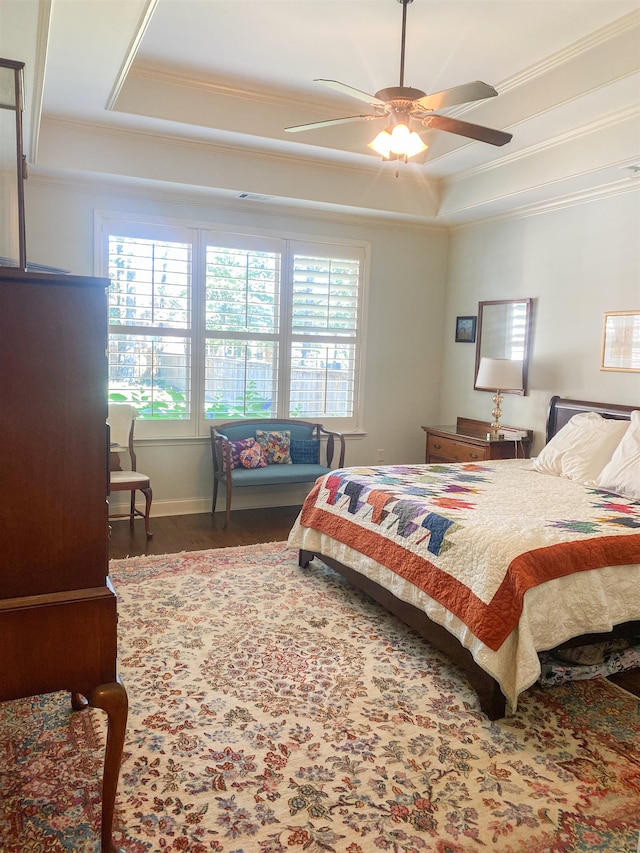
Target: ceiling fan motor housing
(404, 94)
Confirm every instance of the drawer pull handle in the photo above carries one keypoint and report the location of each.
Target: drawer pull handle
(473, 456)
(438, 446)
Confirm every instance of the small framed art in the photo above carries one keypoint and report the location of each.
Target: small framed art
(465, 330)
(621, 341)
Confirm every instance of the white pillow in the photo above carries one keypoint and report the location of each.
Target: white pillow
(622, 473)
(581, 449)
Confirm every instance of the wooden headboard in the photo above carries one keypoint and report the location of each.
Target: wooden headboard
(561, 411)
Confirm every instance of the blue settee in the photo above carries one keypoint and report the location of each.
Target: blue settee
(306, 465)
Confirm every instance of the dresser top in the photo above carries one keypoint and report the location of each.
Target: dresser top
(473, 429)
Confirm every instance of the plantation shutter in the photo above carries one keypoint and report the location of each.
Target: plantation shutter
(150, 323)
(211, 324)
(242, 321)
(324, 333)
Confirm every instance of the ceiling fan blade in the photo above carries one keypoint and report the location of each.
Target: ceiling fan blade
(475, 91)
(315, 124)
(465, 128)
(354, 93)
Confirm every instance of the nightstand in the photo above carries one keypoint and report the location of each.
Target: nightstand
(467, 442)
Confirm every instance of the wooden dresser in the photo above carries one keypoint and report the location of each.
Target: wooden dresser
(467, 442)
(58, 614)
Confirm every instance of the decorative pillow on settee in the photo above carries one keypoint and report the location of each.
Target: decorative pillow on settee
(275, 446)
(252, 456)
(245, 446)
(236, 448)
(305, 451)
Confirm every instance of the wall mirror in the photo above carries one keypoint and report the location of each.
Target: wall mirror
(504, 327)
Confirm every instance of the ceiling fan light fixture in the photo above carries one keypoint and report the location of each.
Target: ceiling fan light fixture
(382, 143)
(404, 103)
(401, 141)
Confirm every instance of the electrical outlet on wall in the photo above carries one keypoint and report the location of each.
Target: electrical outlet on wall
(380, 456)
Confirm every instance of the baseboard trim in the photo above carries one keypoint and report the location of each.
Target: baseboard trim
(242, 499)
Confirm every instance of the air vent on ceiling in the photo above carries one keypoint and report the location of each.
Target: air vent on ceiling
(255, 197)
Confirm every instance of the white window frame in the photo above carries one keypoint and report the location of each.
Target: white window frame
(201, 233)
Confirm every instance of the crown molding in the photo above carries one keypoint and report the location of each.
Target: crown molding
(37, 95)
(616, 28)
(128, 187)
(204, 197)
(575, 134)
(186, 80)
(241, 151)
(526, 211)
(130, 55)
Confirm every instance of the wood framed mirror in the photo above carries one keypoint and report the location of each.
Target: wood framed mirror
(504, 331)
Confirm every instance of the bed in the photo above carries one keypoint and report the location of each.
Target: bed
(490, 562)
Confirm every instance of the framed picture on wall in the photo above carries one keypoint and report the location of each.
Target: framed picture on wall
(621, 341)
(466, 330)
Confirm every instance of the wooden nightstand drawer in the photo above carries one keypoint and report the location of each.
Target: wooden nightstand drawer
(467, 442)
(453, 450)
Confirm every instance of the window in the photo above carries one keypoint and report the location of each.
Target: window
(210, 326)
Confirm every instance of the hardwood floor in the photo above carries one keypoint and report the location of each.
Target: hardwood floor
(201, 531)
(248, 527)
(629, 681)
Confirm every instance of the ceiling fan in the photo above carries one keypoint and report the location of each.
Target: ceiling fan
(402, 104)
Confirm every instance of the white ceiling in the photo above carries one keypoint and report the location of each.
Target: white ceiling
(197, 93)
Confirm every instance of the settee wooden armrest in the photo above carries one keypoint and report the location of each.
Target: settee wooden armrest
(272, 475)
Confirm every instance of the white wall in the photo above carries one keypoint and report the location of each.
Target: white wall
(403, 328)
(576, 263)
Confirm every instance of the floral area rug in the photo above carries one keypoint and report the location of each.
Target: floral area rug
(277, 709)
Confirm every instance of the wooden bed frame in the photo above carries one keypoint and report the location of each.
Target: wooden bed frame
(492, 700)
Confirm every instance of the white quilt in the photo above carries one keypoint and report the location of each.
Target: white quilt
(553, 611)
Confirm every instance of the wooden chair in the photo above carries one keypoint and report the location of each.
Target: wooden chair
(121, 420)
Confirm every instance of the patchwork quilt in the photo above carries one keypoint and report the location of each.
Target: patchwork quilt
(475, 537)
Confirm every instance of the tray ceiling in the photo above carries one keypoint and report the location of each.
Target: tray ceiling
(196, 94)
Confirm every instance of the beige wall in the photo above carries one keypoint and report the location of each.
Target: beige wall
(576, 263)
(404, 331)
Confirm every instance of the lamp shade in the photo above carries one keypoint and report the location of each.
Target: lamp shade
(500, 374)
(400, 141)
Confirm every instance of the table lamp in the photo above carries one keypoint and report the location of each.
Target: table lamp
(503, 374)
